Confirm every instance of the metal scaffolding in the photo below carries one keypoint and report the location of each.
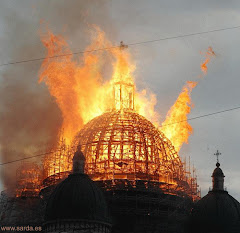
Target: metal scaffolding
(121, 144)
(29, 179)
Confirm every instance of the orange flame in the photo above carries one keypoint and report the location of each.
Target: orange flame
(82, 94)
(176, 127)
(79, 88)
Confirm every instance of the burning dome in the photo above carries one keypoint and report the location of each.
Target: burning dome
(125, 145)
(118, 142)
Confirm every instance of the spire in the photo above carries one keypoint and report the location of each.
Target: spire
(217, 176)
(123, 86)
(217, 155)
(78, 161)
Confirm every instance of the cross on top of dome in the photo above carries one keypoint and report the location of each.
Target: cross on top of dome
(218, 176)
(217, 155)
(122, 46)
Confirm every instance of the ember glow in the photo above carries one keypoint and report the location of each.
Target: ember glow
(28, 180)
(208, 56)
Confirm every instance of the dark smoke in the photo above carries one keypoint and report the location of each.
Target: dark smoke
(29, 116)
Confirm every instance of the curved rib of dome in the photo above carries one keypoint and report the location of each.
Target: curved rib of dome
(125, 145)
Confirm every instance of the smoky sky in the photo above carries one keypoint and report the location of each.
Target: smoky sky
(30, 118)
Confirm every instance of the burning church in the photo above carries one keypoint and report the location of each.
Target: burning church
(130, 164)
(136, 167)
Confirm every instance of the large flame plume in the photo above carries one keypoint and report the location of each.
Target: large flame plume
(76, 86)
(79, 88)
(176, 127)
(82, 92)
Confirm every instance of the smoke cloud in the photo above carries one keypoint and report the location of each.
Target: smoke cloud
(29, 116)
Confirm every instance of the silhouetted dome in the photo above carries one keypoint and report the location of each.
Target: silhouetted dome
(217, 211)
(77, 197)
(217, 205)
